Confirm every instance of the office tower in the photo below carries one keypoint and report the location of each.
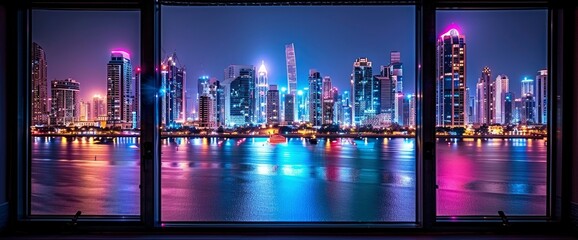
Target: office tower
(119, 94)
(346, 105)
(291, 68)
(64, 102)
(366, 91)
(517, 112)
(483, 97)
(395, 57)
(398, 107)
(387, 96)
(289, 103)
(217, 92)
(527, 87)
(451, 82)
(328, 101)
(315, 98)
(206, 115)
(262, 86)
(303, 105)
(542, 96)
(202, 84)
(508, 108)
(136, 103)
(412, 111)
(501, 87)
(337, 107)
(84, 113)
(468, 106)
(173, 85)
(40, 108)
(272, 107)
(99, 107)
(529, 109)
(239, 89)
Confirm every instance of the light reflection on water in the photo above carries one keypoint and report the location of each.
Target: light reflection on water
(248, 179)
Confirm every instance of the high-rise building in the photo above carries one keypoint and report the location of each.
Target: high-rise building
(328, 101)
(451, 82)
(484, 97)
(501, 87)
(289, 103)
(337, 107)
(99, 107)
(291, 68)
(206, 116)
(529, 109)
(366, 91)
(218, 95)
(346, 105)
(303, 105)
(173, 85)
(272, 107)
(508, 108)
(412, 111)
(239, 88)
(119, 94)
(84, 113)
(527, 87)
(517, 112)
(315, 98)
(542, 96)
(399, 110)
(136, 103)
(387, 96)
(64, 102)
(262, 86)
(39, 86)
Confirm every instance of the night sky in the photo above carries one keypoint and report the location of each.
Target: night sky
(329, 39)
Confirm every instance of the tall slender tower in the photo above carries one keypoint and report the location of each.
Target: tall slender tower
(366, 91)
(99, 107)
(501, 87)
(451, 82)
(239, 88)
(39, 86)
(292, 84)
(542, 96)
(262, 86)
(119, 94)
(272, 114)
(484, 97)
(173, 77)
(315, 98)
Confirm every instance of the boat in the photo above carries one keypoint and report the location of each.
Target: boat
(277, 138)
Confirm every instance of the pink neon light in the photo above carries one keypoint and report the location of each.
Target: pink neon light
(451, 27)
(123, 53)
(138, 69)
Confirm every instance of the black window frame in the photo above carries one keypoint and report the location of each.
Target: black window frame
(559, 66)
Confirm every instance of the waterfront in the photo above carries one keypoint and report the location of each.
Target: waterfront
(248, 179)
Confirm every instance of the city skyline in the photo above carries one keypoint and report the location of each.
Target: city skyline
(337, 80)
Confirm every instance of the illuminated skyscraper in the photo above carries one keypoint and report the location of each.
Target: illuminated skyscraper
(451, 82)
(346, 104)
(84, 113)
(99, 107)
(366, 91)
(527, 86)
(173, 77)
(292, 81)
(542, 96)
(528, 104)
(119, 94)
(206, 116)
(262, 86)
(328, 101)
(39, 86)
(501, 87)
(239, 89)
(484, 97)
(136, 103)
(65, 108)
(315, 98)
(272, 115)
(508, 108)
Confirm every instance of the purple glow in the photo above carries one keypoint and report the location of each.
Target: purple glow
(450, 32)
(121, 53)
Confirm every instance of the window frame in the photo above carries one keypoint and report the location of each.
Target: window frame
(19, 165)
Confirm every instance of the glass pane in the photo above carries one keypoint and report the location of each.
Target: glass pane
(491, 112)
(85, 113)
(288, 113)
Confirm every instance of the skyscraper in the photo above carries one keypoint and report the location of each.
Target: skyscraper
(451, 82)
(346, 104)
(173, 83)
(262, 86)
(239, 88)
(206, 116)
(328, 101)
(508, 108)
(64, 102)
(99, 107)
(84, 113)
(136, 103)
(366, 91)
(529, 109)
(412, 111)
(217, 92)
(542, 96)
(119, 94)
(527, 86)
(39, 86)
(484, 97)
(501, 87)
(315, 98)
(272, 115)
(292, 82)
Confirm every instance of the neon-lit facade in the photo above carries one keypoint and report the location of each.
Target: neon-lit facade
(451, 82)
